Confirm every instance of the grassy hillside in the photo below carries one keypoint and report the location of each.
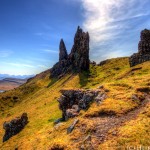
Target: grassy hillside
(123, 120)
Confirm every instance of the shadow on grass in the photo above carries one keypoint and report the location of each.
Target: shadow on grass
(84, 75)
(53, 80)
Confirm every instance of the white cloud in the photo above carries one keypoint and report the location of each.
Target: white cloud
(106, 20)
(50, 51)
(43, 66)
(5, 53)
(21, 65)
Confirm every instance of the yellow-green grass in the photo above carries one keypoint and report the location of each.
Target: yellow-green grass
(134, 134)
(39, 97)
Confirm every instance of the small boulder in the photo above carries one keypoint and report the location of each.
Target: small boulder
(70, 129)
(14, 126)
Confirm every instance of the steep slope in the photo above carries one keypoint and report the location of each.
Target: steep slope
(119, 121)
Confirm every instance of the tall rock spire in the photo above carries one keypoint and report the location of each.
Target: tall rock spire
(77, 60)
(80, 50)
(62, 51)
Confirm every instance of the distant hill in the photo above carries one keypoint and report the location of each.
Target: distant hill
(3, 76)
(11, 83)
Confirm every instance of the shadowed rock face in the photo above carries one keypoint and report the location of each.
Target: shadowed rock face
(143, 49)
(80, 51)
(14, 126)
(77, 60)
(62, 51)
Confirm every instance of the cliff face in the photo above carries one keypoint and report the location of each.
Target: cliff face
(77, 60)
(143, 49)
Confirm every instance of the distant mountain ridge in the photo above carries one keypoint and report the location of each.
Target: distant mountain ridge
(3, 76)
(8, 82)
(15, 80)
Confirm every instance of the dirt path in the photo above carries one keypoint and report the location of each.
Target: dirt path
(103, 124)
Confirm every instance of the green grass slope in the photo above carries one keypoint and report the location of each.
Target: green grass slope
(38, 97)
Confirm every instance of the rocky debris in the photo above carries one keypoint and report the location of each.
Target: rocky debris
(100, 97)
(77, 60)
(106, 125)
(14, 126)
(72, 101)
(143, 49)
(70, 129)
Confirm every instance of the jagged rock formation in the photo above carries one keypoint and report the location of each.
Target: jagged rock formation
(77, 60)
(143, 49)
(62, 51)
(14, 126)
(72, 101)
(80, 51)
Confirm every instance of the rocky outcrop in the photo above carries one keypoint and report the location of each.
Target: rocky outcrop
(77, 60)
(72, 101)
(62, 51)
(143, 49)
(80, 51)
(14, 126)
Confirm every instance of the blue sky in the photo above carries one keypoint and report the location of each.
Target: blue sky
(30, 30)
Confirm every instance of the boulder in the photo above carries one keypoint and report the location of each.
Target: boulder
(72, 101)
(100, 97)
(14, 126)
(70, 129)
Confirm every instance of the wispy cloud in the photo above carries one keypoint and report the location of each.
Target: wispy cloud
(5, 53)
(43, 66)
(107, 20)
(21, 65)
(50, 51)
(39, 33)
